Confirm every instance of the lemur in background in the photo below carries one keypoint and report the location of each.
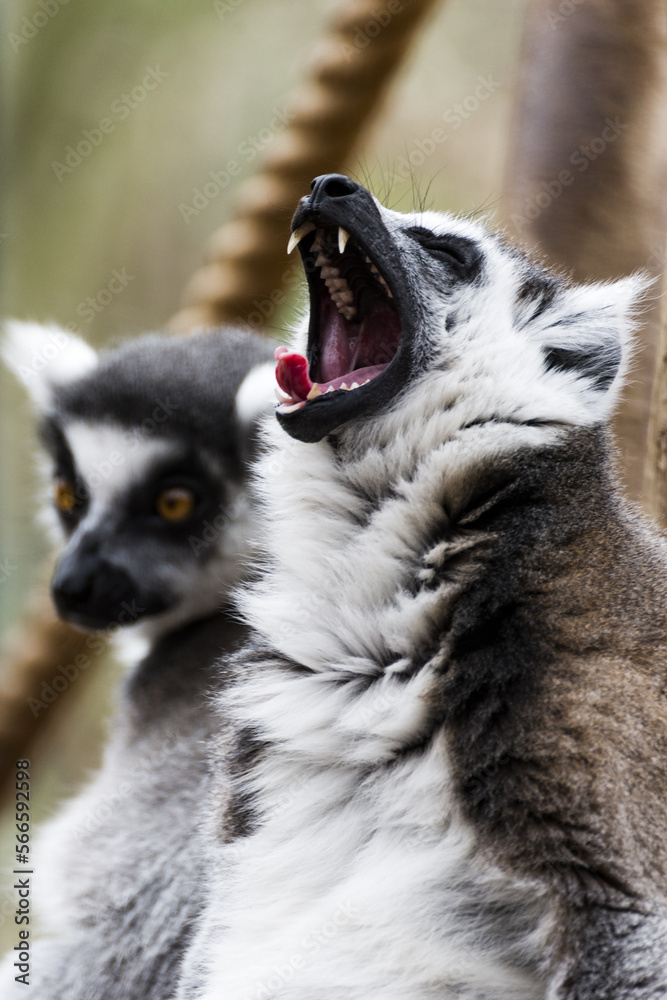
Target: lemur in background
(148, 447)
(458, 680)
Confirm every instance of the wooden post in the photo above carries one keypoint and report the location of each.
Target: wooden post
(587, 172)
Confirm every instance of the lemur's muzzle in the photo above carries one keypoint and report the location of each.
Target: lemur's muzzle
(356, 344)
(93, 593)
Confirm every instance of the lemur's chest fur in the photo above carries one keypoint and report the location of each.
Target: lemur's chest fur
(396, 783)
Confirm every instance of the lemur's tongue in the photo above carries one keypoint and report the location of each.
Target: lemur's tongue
(293, 378)
(292, 374)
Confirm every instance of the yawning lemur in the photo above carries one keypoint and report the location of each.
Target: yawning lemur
(450, 766)
(148, 447)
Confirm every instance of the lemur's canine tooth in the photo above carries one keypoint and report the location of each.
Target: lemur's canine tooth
(314, 392)
(299, 234)
(343, 237)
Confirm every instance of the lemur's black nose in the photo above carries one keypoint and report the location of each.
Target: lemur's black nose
(89, 591)
(327, 187)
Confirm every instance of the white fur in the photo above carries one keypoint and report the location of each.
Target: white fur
(44, 356)
(255, 394)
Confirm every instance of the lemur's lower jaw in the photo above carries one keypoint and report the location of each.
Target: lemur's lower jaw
(360, 339)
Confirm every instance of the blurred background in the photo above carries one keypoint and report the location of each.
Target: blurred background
(103, 240)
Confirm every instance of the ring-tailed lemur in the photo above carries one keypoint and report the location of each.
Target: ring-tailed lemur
(148, 447)
(451, 752)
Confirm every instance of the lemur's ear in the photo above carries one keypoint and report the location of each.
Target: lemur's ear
(254, 399)
(44, 357)
(586, 331)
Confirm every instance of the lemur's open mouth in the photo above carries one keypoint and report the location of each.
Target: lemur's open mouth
(355, 328)
(358, 328)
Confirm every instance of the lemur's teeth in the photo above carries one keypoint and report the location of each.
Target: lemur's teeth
(373, 267)
(283, 408)
(281, 396)
(366, 382)
(385, 286)
(299, 234)
(321, 260)
(330, 389)
(330, 272)
(314, 392)
(355, 385)
(344, 385)
(343, 237)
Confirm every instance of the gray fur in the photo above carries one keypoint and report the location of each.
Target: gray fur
(120, 870)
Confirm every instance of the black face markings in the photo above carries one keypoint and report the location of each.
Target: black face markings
(540, 291)
(599, 364)
(185, 470)
(457, 252)
(54, 441)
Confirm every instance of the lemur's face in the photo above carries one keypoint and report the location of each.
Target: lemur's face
(400, 302)
(148, 446)
(138, 518)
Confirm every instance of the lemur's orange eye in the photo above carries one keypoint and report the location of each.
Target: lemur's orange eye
(175, 504)
(64, 496)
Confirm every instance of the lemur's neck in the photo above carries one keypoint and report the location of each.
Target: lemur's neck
(368, 556)
(182, 663)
